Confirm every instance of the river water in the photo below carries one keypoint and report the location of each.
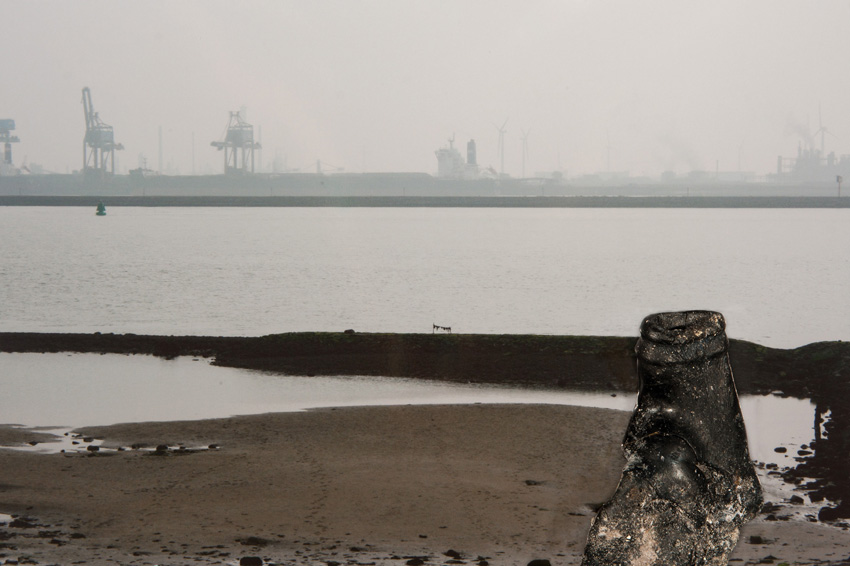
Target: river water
(779, 276)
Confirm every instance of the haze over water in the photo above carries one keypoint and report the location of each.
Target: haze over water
(779, 276)
(610, 86)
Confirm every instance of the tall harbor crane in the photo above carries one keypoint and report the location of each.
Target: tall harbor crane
(238, 145)
(6, 137)
(99, 144)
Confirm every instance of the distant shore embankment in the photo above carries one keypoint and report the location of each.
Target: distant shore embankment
(435, 202)
(588, 363)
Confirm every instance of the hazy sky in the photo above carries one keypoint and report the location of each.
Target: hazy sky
(379, 85)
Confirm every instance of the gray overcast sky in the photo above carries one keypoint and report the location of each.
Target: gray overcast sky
(379, 85)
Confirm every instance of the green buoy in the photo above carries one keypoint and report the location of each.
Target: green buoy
(101, 210)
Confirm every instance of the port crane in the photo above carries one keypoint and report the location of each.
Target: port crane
(99, 144)
(6, 127)
(238, 145)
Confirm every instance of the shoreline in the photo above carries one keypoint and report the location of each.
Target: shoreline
(384, 486)
(113, 200)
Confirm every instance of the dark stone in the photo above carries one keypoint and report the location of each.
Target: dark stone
(780, 449)
(796, 500)
(452, 553)
(756, 539)
(540, 562)
(829, 514)
(250, 561)
(416, 561)
(93, 448)
(689, 484)
(533, 482)
(22, 524)
(253, 541)
(349, 331)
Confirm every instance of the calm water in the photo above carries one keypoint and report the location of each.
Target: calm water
(51, 390)
(781, 277)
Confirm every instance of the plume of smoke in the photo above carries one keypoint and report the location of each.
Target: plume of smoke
(676, 152)
(795, 128)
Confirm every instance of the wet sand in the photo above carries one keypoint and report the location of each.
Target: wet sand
(382, 485)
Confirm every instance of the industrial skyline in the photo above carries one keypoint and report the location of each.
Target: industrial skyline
(580, 87)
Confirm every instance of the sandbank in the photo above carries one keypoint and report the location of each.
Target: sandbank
(366, 485)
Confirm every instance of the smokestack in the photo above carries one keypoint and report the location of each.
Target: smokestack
(160, 150)
(471, 158)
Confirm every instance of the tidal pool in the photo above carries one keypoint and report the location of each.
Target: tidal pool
(74, 390)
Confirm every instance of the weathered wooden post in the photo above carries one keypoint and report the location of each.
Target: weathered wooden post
(688, 485)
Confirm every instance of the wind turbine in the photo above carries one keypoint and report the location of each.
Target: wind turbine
(502, 131)
(822, 131)
(524, 139)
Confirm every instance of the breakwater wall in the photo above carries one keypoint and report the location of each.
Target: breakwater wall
(433, 202)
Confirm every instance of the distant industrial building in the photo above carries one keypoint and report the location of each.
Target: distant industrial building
(811, 165)
(450, 163)
(6, 137)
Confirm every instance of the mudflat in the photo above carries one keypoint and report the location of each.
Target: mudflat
(503, 484)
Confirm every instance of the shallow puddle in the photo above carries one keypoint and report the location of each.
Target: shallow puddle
(73, 390)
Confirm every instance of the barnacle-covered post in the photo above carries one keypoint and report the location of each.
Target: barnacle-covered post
(689, 484)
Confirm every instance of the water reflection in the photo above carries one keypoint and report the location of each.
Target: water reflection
(823, 470)
(42, 390)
